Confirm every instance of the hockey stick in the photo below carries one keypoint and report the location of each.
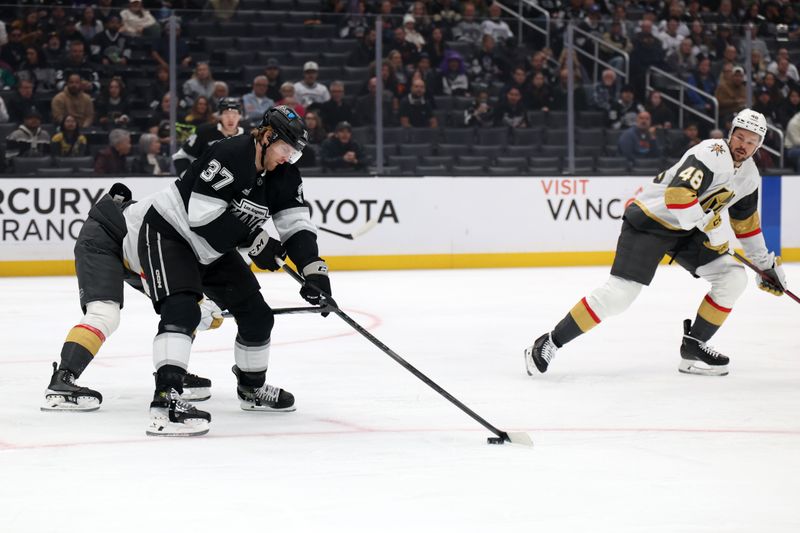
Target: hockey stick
(746, 262)
(350, 236)
(289, 311)
(331, 306)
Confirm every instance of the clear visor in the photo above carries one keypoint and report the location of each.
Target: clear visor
(291, 154)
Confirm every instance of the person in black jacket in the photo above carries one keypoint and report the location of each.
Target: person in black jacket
(341, 152)
(190, 243)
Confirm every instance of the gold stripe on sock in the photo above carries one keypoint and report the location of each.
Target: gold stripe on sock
(712, 312)
(91, 339)
(583, 315)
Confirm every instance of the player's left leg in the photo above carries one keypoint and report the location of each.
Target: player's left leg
(231, 283)
(728, 281)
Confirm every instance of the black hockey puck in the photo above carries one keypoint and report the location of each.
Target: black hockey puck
(495, 440)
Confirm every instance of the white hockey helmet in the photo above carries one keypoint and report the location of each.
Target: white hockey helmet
(750, 120)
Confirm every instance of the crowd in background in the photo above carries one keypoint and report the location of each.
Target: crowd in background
(73, 85)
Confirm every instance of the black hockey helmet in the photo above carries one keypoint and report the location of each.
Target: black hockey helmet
(286, 125)
(229, 102)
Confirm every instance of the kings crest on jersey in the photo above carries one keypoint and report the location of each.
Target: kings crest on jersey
(705, 175)
(222, 198)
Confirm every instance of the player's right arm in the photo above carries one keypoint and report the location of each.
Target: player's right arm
(681, 196)
(189, 151)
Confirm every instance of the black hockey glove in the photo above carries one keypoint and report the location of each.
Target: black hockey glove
(316, 274)
(264, 249)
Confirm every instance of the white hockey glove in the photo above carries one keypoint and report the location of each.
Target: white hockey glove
(774, 270)
(210, 316)
(711, 225)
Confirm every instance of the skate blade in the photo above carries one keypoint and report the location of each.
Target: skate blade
(247, 406)
(83, 404)
(197, 394)
(698, 368)
(530, 366)
(160, 427)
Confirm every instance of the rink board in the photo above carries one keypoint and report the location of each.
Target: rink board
(432, 222)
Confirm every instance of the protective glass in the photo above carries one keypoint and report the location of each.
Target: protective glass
(291, 154)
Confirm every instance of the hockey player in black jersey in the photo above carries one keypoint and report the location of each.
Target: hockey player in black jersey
(189, 243)
(679, 214)
(230, 113)
(105, 259)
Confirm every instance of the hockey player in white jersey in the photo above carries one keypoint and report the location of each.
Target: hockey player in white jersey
(188, 245)
(679, 215)
(106, 258)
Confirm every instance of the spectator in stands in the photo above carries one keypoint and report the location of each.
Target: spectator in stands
(58, 18)
(606, 91)
(784, 76)
(68, 141)
(160, 114)
(468, 30)
(538, 63)
(401, 77)
(703, 80)
(70, 33)
(112, 159)
(510, 112)
(416, 111)
(445, 14)
(624, 110)
(411, 34)
(37, 71)
(105, 9)
(356, 23)
(539, 96)
(431, 77)
(73, 101)
(561, 92)
(13, 51)
(160, 50)
(88, 25)
(29, 139)
(791, 70)
(496, 27)
(336, 109)
(788, 108)
(616, 38)
(519, 79)
(580, 71)
(791, 142)
(53, 50)
(689, 138)
(110, 47)
(757, 44)
(20, 101)
(341, 153)
(390, 80)
(288, 98)
(725, 14)
(454, 80)
(221, 91)
(661, 114)
(33, 28)
(723, 40)
(729, 57)
(77, 62)
(435, 47)
(112, 107)
(221, 9)
(149, 162)
(309, 91)
(273, 74)
(640, 140)
(200, 84)
(408, 51)
(593, 25)
(153, 91)
(764, 105)
(480, 113)
(647, 52)
(256, 102)
(316, 128)
(682, 60)
(365, 105)
(363, 54)
(138, 22)
(701, 38)
(488, 64)
(422, 20)
(731, 92)
(200, 113)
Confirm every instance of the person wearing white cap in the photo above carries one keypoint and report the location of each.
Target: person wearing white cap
(412, 35)
(309, 91)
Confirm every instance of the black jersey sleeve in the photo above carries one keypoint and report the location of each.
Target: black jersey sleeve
(744, 217)
(292, 218)
(223, 172)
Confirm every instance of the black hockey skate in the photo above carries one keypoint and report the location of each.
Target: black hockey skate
(699, 358)
(540, 354)
(264, 398)
(64, 395)
(196, 388)
(172, 416)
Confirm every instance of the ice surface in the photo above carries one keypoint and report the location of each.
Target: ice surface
(623, 442)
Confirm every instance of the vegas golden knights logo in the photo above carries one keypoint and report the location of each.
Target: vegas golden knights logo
(718, 200)
(718, 149)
